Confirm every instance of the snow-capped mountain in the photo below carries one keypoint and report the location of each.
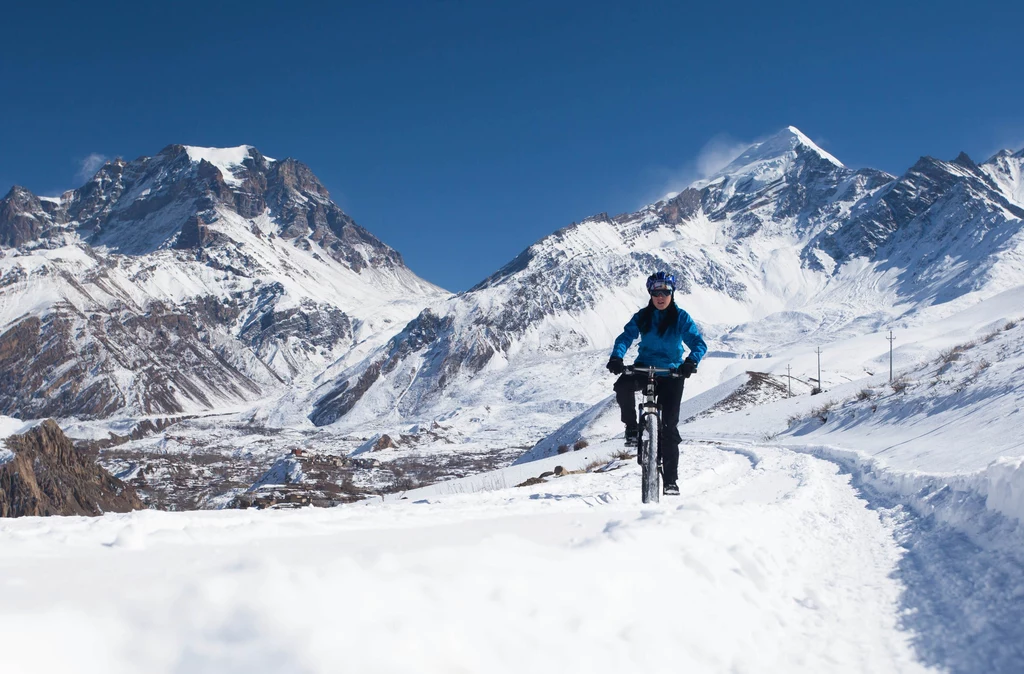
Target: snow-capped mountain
(190, 280)
(219, 281)
(782, 244)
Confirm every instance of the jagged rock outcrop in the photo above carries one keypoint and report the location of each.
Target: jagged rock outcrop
(48, 476)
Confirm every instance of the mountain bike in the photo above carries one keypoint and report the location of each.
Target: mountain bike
(650, 428)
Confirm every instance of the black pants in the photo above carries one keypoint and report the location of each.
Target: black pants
(670, 393)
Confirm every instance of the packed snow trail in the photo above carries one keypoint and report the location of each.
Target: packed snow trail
(767, 562)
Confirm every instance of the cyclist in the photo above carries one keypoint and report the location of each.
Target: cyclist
(663, 328)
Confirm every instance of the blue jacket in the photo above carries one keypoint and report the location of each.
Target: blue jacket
(662, 350)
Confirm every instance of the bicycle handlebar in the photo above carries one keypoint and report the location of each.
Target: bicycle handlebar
(649, 370)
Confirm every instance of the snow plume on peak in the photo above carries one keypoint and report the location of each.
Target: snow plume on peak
(90, 165)
(764, 160)
(716, 154)
(787, 152)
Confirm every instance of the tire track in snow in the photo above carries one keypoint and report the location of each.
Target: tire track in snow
(962, 600)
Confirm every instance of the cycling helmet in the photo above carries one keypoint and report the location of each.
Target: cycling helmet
(661, 281)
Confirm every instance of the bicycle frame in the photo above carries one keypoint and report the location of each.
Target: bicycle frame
(650, 428)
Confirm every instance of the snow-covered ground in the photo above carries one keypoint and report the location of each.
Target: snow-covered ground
(768, 561)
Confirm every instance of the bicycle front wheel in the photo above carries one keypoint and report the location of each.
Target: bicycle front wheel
(650, 487)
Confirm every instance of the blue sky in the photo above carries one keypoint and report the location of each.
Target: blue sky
(460, 132)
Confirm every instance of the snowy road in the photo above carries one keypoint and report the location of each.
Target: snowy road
(767, 562)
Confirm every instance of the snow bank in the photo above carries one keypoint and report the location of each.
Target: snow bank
(1004, 487)
(986, 506)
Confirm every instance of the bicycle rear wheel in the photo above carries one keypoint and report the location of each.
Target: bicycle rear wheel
(650, 487)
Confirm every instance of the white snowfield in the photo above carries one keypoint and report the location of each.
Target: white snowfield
(768, 561)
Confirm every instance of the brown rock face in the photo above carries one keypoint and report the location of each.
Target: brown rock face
(22, 217)
(65, 364)
(48, 476)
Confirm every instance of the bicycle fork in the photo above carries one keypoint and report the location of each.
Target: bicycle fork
(646, 409)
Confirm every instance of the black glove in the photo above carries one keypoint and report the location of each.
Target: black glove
(615, 366)
(687, 368)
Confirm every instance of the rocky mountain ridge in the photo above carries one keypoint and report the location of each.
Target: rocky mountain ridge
(182, 282)
(169, 200)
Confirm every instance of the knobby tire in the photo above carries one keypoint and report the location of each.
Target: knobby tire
(650, 487)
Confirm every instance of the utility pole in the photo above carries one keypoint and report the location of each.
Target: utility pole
(891, 340)
(820, 388)
(789, 382)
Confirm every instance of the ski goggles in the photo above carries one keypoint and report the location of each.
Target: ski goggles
(660, 293)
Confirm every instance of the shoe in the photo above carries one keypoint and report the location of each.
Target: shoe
(671, 489)
(631, 433)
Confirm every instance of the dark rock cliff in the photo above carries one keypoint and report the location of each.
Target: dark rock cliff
(48, 476)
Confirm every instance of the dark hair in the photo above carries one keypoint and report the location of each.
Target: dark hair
(646, 317)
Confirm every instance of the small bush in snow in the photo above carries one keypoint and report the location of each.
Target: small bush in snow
(562, 449)
(624, 455)
(952, 354)
(865, 394)
(822, 412)
(899, 385)
(404, 484)
(1010, 325)
(580, 444)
